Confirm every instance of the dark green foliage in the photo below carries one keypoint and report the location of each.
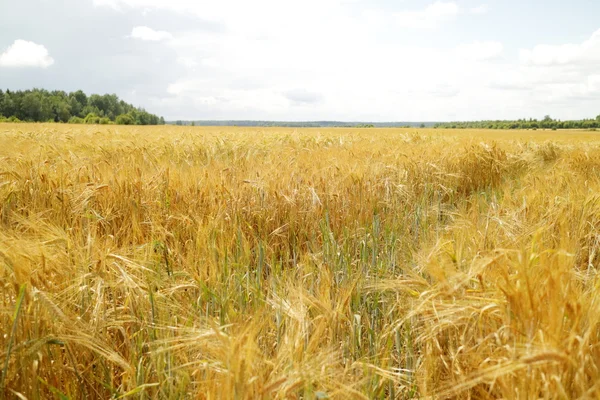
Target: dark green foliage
(39, 105)
(76, 120)
(546, 123)
(91, 118)
(125, 119)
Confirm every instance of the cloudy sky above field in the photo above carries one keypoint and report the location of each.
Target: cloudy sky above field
(376, 60)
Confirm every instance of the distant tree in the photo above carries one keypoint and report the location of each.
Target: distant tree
(142, 118)
(8, 107)
(39, 105)
(125, 119)
(77, 101)
(97, 101)
(89, 109)
(36, 107)
(422, 126)
(91, 118)
(31, 107)
(80, 97)
(76, 120)
(61, 109)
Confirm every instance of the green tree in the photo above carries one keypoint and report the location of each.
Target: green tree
(125, 119)
(59, 106)
(80, 97)
(8, 107)
(76, 120)
(91, 118)
(89, 109)
(77, 100)
(31, 107)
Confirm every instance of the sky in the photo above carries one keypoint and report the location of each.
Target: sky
(348, 60)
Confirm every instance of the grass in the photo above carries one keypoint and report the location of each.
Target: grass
(245, 263)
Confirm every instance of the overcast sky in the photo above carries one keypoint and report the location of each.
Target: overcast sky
(353, 60)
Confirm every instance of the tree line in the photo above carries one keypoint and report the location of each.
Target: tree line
(302, 124)
(39, 105)
(546, 123)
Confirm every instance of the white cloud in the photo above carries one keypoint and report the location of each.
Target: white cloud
(114, 4)
(587, 52)
(562, 79)
(193, 63)
(23, 53)
(594, 82)
(149, 34)
(210, 63)
(430, 17)
(302, 96)
(479, 10)
(480, 51)
(187, 62)
(327, 59)
(188, 85)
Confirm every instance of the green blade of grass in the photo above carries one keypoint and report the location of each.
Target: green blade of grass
(12, 336)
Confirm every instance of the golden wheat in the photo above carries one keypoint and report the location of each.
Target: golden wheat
(214, 263)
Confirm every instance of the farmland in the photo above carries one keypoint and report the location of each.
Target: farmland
(179, 262)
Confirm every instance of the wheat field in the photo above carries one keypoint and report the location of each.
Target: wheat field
(250, 263)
